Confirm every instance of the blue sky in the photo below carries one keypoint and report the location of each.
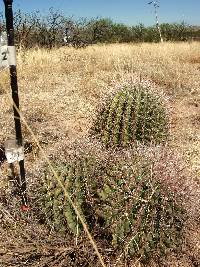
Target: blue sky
(126, 11)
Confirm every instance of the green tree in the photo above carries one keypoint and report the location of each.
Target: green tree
(102, 30)
(121, 33)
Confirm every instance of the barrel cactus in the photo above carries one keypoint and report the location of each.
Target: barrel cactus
(123, 204)
(142, 219)
(132, 114)
(58, 210)
(121, 200)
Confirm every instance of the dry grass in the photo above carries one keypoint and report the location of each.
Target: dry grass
(60, 90)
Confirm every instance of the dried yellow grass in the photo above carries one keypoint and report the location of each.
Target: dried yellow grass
(61, 88)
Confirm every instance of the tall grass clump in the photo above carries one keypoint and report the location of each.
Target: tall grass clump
(133, 113)
(121, 200)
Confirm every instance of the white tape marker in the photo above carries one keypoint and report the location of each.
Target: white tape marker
(12, 56)
(15, 155)
(13, 151)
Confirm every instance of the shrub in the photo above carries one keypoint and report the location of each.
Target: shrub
(132, 114)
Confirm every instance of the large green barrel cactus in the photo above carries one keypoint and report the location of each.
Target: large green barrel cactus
(132, 114)
(142, 218)
(118, 200)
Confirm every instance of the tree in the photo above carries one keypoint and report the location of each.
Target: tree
(102, 30)
(121, 33)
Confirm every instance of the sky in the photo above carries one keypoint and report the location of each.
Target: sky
(130, 12)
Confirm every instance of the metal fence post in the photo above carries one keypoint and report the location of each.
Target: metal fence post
(15, 96)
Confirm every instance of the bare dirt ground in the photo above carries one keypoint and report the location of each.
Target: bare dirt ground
(60, 90)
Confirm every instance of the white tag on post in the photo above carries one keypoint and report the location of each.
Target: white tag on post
(13, 151)
(11, 56)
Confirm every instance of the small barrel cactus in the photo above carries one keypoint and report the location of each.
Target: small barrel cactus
(132, 114)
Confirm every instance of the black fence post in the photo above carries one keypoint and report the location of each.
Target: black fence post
(15, 96)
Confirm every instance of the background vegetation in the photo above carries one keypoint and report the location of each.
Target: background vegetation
(34, 29)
